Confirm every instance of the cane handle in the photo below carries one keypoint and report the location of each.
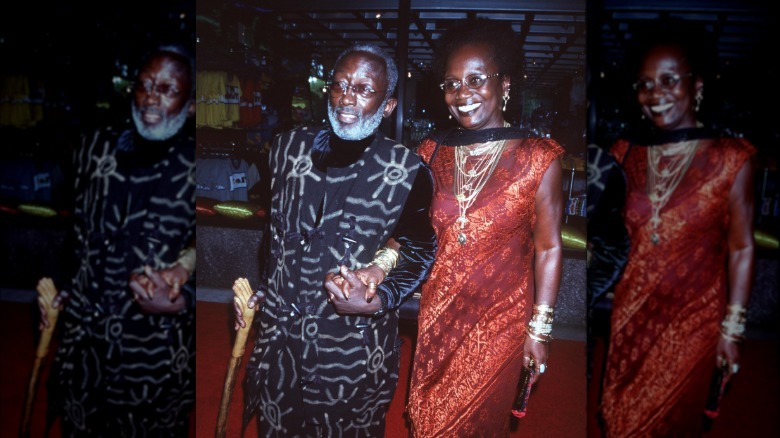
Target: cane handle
(46, 294)
(242, 293)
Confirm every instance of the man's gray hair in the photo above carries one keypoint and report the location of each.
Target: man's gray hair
(390, 68)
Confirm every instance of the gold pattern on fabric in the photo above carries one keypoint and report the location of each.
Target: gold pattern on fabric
(671, 298)
(473, 306)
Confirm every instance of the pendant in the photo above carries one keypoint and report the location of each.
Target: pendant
(655, 239)
(462, 238)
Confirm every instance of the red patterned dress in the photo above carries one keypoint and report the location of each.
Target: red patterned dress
(473, 308)
(672, 296)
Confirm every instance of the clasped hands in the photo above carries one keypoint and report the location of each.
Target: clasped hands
(154, 291)
(350, 292)
(159, 291)
(353, 292)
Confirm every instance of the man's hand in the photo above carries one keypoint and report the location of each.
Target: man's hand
(47, 304)
(244, 300)
(153, 293)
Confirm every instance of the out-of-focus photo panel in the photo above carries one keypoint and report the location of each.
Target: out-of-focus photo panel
(97, 219)
(683, 219)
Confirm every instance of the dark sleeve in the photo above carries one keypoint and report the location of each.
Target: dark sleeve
(188, 292)
(418, 245)
(607, 234)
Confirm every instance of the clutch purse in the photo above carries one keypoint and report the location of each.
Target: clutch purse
(717, 388)
(523, 391)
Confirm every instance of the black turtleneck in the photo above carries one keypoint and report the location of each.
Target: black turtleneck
(337, 152)
(135, 151)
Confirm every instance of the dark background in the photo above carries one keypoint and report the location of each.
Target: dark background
(77, 59)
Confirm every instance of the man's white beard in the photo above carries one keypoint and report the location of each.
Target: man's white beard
(167, 128)
(364, 127)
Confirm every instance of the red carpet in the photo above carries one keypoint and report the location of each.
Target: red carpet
(550, 414)
(19, 326)
(556, 407)
(750, 408)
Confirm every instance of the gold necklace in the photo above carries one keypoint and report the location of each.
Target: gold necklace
(661, 183)
(467, 183)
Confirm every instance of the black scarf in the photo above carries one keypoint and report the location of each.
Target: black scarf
(461, 137)
(656, 137)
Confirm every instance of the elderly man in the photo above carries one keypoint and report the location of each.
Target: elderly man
(125, 364)
(325, 362)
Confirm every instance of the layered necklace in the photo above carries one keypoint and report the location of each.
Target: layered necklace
(661, 183)
(469, 180)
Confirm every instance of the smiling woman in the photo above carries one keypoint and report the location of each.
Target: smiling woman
(487, 310)
(679, 309)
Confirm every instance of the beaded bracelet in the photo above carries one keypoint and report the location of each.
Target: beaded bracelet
(732, 328)
(540, 326)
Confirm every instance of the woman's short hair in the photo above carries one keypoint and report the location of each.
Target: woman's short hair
(692, 38)
(503, 44)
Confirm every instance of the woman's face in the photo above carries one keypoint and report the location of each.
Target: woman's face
(478, 108)
(666, 88)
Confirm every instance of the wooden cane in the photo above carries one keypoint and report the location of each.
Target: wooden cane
(242, 293)
(46, 294)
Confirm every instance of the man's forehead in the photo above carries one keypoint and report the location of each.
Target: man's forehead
(161, 59)
(377, 64)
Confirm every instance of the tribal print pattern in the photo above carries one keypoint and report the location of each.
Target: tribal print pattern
(335, 374)
(118, 371)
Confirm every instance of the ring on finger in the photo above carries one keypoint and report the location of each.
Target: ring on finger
(734, 368)
(371, 285)
(542, 368)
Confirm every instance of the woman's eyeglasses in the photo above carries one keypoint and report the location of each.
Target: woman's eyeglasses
(666, 81)
(364, 91)
(471, 81)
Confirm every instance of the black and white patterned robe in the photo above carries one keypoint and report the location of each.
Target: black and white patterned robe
(335, 373)
(117, 371)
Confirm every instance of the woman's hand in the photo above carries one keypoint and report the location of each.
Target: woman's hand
(370, 275)
(539, 353)
(175, 276)
(728, 353)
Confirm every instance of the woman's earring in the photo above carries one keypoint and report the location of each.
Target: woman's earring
(506, 99)
(699, 97)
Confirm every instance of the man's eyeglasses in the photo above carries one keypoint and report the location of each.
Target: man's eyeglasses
(148, 87)
(364, 91)
(666, 81)
(471, 81)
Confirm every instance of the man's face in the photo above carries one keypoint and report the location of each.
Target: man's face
(354, 115)
(161, 98)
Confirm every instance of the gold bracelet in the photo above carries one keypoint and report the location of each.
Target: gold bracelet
(543, 308)
(187, 259)
(542, 339)
(386, 258)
